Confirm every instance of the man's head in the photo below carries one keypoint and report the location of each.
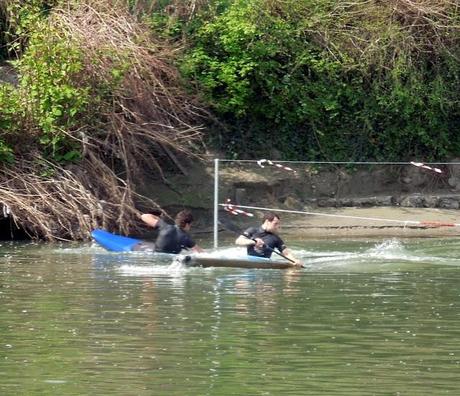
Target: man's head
(184, 219)
(271, 222)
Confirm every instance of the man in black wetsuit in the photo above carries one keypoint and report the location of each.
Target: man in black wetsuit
(172, 238)
(260, 241)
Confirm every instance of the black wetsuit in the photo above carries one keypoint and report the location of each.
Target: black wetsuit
(172, 239)
(270, 239)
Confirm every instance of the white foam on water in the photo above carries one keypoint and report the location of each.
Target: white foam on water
(51, 381)
(234, 252)
(315, 259)
(394, 249)
(383, 254)
(390, 249)
(86, 248)
(172, 269)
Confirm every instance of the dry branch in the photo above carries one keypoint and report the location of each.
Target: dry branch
(146, 112)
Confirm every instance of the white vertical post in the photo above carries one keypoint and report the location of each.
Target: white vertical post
(216, 202)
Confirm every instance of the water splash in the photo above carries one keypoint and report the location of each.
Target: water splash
(394, 249)
(390, 249)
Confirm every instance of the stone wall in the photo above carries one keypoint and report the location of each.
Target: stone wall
(385, 185)
(451, 201)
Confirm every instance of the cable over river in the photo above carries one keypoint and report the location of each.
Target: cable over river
(374, 317)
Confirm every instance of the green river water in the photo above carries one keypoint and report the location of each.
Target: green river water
(378, 317)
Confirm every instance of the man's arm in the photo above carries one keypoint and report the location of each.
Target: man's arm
(197, 249)
(150, 219)
(286, 252)
(188, 243)
(243, 240)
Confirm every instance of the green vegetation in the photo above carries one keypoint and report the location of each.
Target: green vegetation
(311, 79)
(49, 94)
(50, 98)
(327, 79)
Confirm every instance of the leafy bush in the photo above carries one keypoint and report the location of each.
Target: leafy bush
(51, 69)
(9, 115)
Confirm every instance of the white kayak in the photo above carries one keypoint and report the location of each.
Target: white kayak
(241, 261)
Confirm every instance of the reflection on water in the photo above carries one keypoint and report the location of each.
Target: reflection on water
(370, 318)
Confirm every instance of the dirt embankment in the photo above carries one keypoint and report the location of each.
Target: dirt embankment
(323, 201)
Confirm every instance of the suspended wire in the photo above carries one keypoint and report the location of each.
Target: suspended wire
(426, 223)
(263, 162)
(341, 162)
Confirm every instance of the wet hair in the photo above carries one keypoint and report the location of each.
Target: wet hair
(183, 218)
(270, 216)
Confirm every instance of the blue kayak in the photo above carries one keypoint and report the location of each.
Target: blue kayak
(115, 243)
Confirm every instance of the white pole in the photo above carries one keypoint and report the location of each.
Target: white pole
(216, 202)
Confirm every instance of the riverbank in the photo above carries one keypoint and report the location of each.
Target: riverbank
(332, 203)
(381, 222)
(372, 222)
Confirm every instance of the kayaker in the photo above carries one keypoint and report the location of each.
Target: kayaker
(260, 241)
(172, 238)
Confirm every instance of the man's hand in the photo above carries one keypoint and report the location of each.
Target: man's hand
(258, 243)
(299, 264)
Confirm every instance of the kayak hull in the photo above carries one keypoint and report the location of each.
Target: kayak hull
(232, 262)
(115, 243)
(119, 243)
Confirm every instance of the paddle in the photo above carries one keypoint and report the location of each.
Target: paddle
(234, 228)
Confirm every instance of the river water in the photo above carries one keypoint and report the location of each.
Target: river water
(376, 317)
